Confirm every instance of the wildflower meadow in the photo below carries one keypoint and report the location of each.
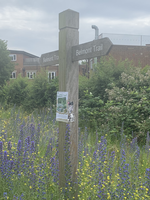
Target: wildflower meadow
(29, 167)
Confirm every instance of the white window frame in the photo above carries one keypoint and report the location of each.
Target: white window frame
(51, 75)
(13, 57)
(13, 75)
(31, 74)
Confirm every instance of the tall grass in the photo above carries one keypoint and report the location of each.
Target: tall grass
(29, 167)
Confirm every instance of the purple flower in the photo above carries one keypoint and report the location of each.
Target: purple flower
(11, 164)
(32, 146)
(1, 146)
(5, 155)
(19, 146)
(9, 145)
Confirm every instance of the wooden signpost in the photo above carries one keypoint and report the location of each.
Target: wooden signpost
(68, 55)
(68, 81)
(49, 59)
(93, 49)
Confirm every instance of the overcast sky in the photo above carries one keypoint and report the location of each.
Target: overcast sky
(32, 25)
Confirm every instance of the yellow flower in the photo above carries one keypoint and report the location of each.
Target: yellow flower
(108, 196)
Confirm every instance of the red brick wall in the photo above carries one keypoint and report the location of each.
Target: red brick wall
(52, 68)
(137, 54)
(18, 64)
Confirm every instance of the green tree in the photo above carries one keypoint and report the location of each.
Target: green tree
(106, 74)
(6, 66)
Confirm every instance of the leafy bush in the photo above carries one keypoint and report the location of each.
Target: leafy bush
(83, 85)
(89, 110)
(106, 72)
(30, 94)
(125, 93)
(41, 93)
(130, 104)
(14, 91)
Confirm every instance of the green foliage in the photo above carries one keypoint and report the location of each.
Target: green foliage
(125, 91)
(89, 109)
(14, 92)
(30, 94)
(130, 104)
(145, 69)
(41, 93)
(6, 66)
(118, 170)
(105, 73)
(83, 85)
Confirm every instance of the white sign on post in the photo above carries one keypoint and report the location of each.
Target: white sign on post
(62, 107)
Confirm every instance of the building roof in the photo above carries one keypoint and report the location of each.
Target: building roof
(22, 52)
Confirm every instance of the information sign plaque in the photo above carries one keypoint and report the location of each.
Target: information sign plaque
(62, 107)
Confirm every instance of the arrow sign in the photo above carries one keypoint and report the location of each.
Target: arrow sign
(51, 58)
(92, 49)
(87, 50)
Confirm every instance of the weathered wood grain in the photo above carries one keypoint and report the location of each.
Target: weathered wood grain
(68, 81)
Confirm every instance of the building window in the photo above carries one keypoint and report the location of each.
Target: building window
(13, 57)
(31, 75)
(13, 75)
(51, 75)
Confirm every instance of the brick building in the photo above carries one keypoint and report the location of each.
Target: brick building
(28, 65)
(18, 58)
(135, 48)
(139, 55)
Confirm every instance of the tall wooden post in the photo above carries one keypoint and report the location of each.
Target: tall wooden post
(68, 81)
